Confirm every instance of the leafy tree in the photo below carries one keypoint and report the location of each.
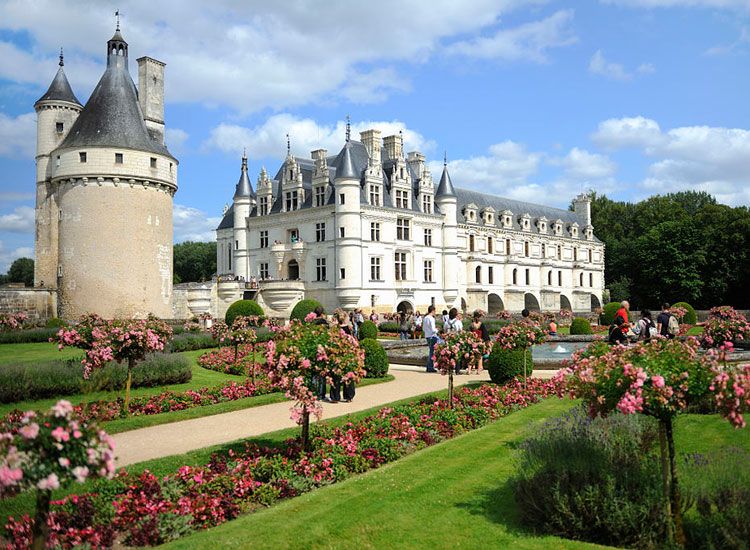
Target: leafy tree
(22, 271)
(194, 261)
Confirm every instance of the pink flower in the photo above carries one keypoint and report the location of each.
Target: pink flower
(29, 431)
(310, 317)
(80, 473)
(49, 483)
(657, 381)
(10, 476)
(64, 462)
(62, 408)
(60, 434)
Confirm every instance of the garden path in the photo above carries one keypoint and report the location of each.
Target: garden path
(181, 437)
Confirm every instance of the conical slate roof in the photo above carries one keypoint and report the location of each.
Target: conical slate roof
(445, 189)
(60, 89)
(112, 116)
(345, 164)
(244, 187)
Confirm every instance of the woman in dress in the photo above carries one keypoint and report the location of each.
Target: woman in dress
(480, 331)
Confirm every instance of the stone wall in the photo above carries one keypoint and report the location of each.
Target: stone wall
(38, 303)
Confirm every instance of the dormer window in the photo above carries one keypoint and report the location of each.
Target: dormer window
(320, 195)
(402, 199)
(589, 232)
(427, 204)
(291, 201)
(507, 219)
(263, 206)
(541, 224)
(375, 195)
(558, 227)
(574, 230)
(525, 222)
(470, 212)
(489, 215)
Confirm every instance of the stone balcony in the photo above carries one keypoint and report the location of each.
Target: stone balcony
(279, 295)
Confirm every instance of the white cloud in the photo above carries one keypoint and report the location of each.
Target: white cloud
(192, 224)
(619, 133)
(255, 55)
(724, 4)
(726, 49)
(580, 164)
(529, 41)
(18, 135)
(21, 220)
(8, 256)
(269, 139)
(374, 86)
(175, 139)
(616, 71)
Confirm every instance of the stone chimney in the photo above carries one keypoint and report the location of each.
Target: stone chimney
(416, 161)
(393, 147)
(371, 140)
(582, 208)
(151, 96)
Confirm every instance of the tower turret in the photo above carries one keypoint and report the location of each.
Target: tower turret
(244, 199)
(348, 228)
(445, 198)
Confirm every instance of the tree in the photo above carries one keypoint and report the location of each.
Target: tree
(194, 261)
(22, 271)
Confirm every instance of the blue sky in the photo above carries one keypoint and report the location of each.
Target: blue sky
(534, 100)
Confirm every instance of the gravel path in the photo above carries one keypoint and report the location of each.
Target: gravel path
(180, 437)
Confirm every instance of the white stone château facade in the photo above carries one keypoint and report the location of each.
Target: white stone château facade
(368, 228)
(105, 182)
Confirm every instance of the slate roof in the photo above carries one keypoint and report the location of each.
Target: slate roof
(244, 188)
(227, 222)
(445, 189)
(59, 90)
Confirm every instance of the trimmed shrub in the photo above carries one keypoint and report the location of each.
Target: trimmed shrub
(28, 381)
(596, 480)
(690, 317)
(368, 330)
(244, 308)
(579, 325)
(303, 309)
(187, 341)
(55, 322)
(376, 360)
(31, 336)
(608, 313)
(505, 364)
(390, 327)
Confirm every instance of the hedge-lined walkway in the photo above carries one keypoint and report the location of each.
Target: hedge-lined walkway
(180, 437)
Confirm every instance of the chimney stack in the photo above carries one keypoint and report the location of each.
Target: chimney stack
(151, 96)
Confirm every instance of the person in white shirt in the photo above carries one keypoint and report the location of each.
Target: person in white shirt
(418, 325)
(453, 324)
(430, 333)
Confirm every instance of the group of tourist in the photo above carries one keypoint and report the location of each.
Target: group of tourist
(452, 322)
(622, 330)
(339, 391)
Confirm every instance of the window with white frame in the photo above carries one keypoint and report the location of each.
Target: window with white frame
(428, 237)
(291, 201)
(264, 239)
(263, 271)
(427, 204)
(490, 275)
(320, 232)
(320, 195)
(375, 231)
(403, 229)
(320, 269)
(400, 265)
(528, 276)
(428, 271)
(375, 194)
(375, 269)
(263, 206)
(402, 199)
(490, 245)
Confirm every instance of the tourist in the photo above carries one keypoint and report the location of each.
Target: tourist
(480, 331)
(662, 322)
(374, 317)
(623, 311)
(404, 326)
(319, 382)
(418, 325)
(525, 313)
(454, 322)
(618, 331)
(552, 326)
(445, 316)
(320, 317)
(359, 318)
(430, 333)
(645, 327)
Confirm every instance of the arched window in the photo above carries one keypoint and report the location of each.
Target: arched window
(515, 276)
(478, 274)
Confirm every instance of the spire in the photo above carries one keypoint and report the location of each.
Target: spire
(288, 146)
(117, 48)
(60, 89)
(345, 165)
(61, 63)
(348, 129)
(445, 189)
(244, 188)
(117, 17)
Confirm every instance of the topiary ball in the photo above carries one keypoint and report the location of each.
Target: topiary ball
(303, 309)
(368, 330)
(579, 325)
(505, 364)
(690, 317)
(608, 313)
(243, 308)
(376, 360)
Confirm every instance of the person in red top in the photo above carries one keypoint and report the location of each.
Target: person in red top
(623, 311)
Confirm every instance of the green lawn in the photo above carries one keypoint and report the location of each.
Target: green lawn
(28, 353)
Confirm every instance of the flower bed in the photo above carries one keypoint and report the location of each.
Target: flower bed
(167, 401)
(223, 359)
(146, 510)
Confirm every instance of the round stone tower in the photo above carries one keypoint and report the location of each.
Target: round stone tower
(113, 180)
(348, 229)
(445, 198)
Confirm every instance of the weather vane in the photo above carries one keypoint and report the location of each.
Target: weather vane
(117, 16)
(348, 128)
(61, 57)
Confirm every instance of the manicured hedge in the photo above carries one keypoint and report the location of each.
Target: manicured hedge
(376, 360)
(608, 314)
(504, 365)
(28, 381)
(690, 317)
(188, 341)
(303, 308)
(55, 322)
(368, 330)
(29, 336)
(579, 325)
(391, 327)
(245, 308)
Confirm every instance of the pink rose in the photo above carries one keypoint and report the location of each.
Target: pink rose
(50, 482)
(30, 431)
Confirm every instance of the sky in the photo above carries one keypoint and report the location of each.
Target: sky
(533, 100)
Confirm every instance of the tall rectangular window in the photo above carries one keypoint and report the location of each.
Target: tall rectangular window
(291, 200)
(528, 276)
(263, 271)
(427, 204)
(153, 162)
(400, 265)
(263, 206)
(591, 279)
(320, 232)
(375, 231)
(490, 245)
(375, 194)
(82, 156)
(59, 126)
(342, 232)
(428, 237)
(544, 250)
(118, 158)
(402, 199)
(402, 229)
(559, 278)
(471, 243)
(490, 275)
(575, 254)
(526, 249)
(375, 269)
(507, 247)
(342, 273)
(320, 195)
(264, 239)
(428, 271)
(591, 256)
(320, 269)
(342, 198)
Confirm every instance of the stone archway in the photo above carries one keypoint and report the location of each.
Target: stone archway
(565, 303)
(595, 303)
(292, 270)
(405, 306)
(494, 304)
(530, 302)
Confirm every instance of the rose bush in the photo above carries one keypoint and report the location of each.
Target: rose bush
(724, 324)
(12, 321)
(459, 350)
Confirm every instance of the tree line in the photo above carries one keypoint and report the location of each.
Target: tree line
(675, 247)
